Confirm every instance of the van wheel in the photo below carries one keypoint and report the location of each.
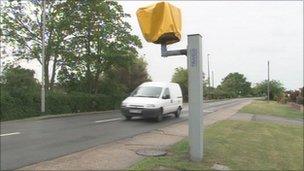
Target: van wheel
(159, 116)
(178, 112)
(128, 118)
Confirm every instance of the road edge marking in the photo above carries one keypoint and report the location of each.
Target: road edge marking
(7, 134)
(108, 120)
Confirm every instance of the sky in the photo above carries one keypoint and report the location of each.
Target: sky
(240, 36)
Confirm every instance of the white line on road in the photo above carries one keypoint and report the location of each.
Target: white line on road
(108, 120)
(13, 133)
(209, 111)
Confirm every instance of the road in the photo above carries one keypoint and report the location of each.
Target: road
(31, 141)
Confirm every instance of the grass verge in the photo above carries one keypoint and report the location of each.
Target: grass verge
(272, 108)
(240, 145)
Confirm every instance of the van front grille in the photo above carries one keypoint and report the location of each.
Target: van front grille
(137, 106)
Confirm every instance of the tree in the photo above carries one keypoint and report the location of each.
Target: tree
(19, 92)
(119, 80)
(114, 81)
(22, 31)
(135, 74)
(300, 98)
(276, 89)
(292, 95)
(100, 40)
(180, 76)
(235, 84)
(19, 82)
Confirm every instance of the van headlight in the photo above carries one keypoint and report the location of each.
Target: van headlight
(150, 105)
(123, 104)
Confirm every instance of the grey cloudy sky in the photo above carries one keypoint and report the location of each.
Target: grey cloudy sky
(240, 36)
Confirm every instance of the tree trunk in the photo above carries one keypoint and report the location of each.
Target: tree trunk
(89, 78)
(96, 80)
(46, 75)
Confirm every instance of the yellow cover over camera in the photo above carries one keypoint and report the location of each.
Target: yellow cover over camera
(160, 23)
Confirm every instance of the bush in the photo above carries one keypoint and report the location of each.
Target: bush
(9, 109)
(300, 100)
(56, 103)
(281, 98)
(18, 108)
(20, 97)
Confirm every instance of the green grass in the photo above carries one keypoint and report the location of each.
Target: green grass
(272, 108)
(240, 145)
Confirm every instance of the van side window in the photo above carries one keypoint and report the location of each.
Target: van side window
(167, 93)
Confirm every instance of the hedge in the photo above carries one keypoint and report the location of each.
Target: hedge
(56, 103)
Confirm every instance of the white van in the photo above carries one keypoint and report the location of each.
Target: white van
(153, 100)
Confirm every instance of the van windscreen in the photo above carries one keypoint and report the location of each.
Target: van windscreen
(147, 91)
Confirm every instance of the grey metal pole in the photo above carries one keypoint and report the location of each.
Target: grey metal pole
(43, 60)
(166, 53)
(195, 92)
(212, 78)
(0, 66)
(208, 76)
(268, 82)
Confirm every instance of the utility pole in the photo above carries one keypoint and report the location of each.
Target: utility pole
(208, 76)
(43, 60)
(212, 73)
(195, 92)
(268, 87)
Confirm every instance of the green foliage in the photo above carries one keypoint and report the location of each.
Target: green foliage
(276, 89)
(281, 98)
(82, 43)
(19, 81)
(138, 74)
(15, 108)
(235, 85)
(218, 93)
(295, 96)
(56, 103)
(180, 76)
(100, 41)
(127, 78)
(91, 47)
(74, 102)
(19, 93)
(20, 97)
(300, 100)
(21, 31)
(117, 81)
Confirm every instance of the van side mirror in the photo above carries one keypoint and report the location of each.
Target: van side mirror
(167, 96)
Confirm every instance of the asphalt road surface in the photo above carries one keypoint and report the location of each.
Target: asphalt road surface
(31, 141)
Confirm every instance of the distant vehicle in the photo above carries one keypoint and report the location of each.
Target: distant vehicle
(153, 100)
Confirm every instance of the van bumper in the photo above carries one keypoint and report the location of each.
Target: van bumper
(145, 113)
